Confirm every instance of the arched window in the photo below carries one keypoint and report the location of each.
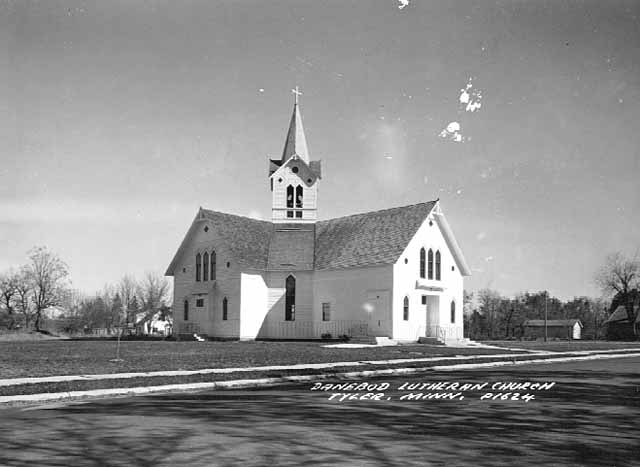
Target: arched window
(453, 312)
(213, 265)
(290, 196)
(299, 201)
(290, 200)
(186, 310)
(198, 267)
(225, 309)
(438, 265)
(423, 261)
(405, 309)
(430, 264)
(290, 299)
(205, 269)
(299, 196)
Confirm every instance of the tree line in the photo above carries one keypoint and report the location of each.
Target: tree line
(492, 316)
(488, 315)
(43, 283)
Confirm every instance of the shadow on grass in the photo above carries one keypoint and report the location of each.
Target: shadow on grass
(590, 419)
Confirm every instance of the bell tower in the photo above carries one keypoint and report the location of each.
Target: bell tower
(294, 178)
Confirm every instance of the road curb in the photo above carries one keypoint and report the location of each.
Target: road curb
(303, 366)
(264, 382)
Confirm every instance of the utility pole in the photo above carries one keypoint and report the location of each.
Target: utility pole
(545, 316)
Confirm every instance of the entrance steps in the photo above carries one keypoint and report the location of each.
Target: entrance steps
(430, 340)
(372, 340)
(451, 342)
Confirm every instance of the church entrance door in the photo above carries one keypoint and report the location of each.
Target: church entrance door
(378, 308)
(432, 310)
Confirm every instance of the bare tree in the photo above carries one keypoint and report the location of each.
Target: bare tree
(620, 277)
(127, 288)
(47, 275)
(24, 302)
(8, 292)
(154, 294)
(619, 274)
(489, 306)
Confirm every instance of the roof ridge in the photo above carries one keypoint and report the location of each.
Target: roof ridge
(381, 210)
(236, 215)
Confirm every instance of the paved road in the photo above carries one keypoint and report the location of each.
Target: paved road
(591, 416)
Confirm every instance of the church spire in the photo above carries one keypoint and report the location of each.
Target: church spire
(296, 143)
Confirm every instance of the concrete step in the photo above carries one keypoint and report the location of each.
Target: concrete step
(430, 340)
(363, 340)
(385, 341)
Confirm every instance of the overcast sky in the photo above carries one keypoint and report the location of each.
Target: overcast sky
(118, 119)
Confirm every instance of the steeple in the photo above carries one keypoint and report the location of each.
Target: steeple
(294, 178)
(296, 143)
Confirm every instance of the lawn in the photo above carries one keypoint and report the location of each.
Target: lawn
(50, 358)
(565, 346)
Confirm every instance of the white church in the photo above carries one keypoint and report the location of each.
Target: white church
(395, 273)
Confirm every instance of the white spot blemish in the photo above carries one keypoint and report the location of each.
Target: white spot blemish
(403, 4)
(470, 97)
(453, 132)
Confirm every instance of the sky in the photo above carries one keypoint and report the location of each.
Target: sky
(119, 119)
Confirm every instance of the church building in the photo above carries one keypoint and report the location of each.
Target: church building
(395, 273)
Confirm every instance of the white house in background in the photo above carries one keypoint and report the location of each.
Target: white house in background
(157, 324)
(396, 273)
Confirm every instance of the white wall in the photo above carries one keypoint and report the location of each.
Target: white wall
(577, 331)
(309, 191)
(405, 275)
(274, 324)
(349, 291)
(253, 304)
(207, 320)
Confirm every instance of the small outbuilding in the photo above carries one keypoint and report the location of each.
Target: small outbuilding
(556, 329)
(619, 326)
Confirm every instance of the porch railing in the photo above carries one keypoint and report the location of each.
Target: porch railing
(313, 329)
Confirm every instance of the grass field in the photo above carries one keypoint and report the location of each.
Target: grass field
(49, 358)
(565, 346)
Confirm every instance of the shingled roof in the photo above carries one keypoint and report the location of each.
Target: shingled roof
(551, 322)
(246, 238)
(291, 247)
(620, 315)
(369, 239)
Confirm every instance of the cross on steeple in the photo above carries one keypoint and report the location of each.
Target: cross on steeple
(297, 93)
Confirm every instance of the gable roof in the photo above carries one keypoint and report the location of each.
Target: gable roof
(620, 315)
(368, 239)
(247, 239)
(552, 322)
(310, 171)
